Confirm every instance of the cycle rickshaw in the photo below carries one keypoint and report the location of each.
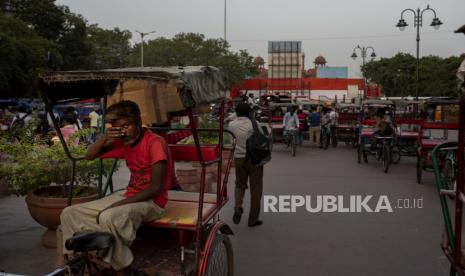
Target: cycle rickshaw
(408, 122)
(190, 239)
(347, 123)
(451, 243)
(440, 117)
(383, 148)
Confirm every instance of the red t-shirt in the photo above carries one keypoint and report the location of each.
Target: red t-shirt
(150, 150)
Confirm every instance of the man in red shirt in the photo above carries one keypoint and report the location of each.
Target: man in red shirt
(148, 159)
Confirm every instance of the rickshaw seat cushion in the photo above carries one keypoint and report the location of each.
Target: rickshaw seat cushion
(181, 213)
(367, 132)
(431, 143)
(345, 126)
(190, 196)
(409, 134)
(89, 241)
(189, 152)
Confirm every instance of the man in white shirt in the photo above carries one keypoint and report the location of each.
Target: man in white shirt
(94, 117)
(243, 129)
(333, 116)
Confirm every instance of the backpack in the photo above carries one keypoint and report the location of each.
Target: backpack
(258, 147)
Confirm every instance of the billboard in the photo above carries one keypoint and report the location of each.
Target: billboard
(332, 72)
(284, 47)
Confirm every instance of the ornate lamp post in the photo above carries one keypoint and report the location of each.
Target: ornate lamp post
(363, 54)
(418, 22)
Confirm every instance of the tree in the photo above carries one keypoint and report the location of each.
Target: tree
(397, 75)
(193, 49)
(110, 47)
(75, 48)
(24, 54)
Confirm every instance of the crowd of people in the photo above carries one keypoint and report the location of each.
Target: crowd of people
(15, 119)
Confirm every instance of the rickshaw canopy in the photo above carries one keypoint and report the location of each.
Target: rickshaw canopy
(196, 85)
(378, 103)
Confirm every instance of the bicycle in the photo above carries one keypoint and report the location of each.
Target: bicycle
(291, 139)
(384, 151)
(83, 243)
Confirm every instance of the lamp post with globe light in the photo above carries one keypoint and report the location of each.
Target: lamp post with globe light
(418, 22)
(363, 54)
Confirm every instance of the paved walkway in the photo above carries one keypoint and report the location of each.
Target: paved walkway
(405, 242)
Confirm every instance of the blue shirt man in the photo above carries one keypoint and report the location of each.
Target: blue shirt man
(314, 119)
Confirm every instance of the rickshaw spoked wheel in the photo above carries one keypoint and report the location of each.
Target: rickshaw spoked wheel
(419, 169)
(395, 150)
(220, 257)
(387, 158)
(449, 177)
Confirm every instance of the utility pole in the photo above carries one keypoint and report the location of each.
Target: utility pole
(142, 46)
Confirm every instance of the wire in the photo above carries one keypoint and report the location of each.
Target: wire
(343, 37)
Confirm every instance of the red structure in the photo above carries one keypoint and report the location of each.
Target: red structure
(296, 84)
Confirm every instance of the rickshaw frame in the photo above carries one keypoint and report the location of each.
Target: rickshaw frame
(206, 225)
(366, 135)
(425, 146)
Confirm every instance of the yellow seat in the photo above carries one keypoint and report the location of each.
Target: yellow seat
(182, 214)
(190, 196)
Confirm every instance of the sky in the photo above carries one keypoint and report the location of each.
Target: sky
(331, 28)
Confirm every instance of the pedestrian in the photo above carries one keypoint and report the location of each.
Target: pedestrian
(94, 118)
(242, 128)
(148, 159)
(314, 124)
(303, 125)
(333, 116)
(250, 100)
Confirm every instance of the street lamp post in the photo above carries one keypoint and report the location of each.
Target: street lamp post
(418, 22)
(224, 20)
(142, 46)
(363, 54)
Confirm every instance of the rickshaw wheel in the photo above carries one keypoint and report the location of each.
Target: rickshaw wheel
(359, 155)
(419, 170)
(387, 158)
(448, 175)
(220, 257)
(395, 155)
(293, 145)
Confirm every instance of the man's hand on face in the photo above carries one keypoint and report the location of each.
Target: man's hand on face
(114, 133)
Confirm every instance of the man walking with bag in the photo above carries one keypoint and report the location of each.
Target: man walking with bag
(243, 129)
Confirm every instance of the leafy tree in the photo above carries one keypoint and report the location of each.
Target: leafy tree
(110, 47)
(397, 75)
(75, 48)
(24, 54)
(194, 49)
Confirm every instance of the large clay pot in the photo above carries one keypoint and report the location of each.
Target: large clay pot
(47, 210)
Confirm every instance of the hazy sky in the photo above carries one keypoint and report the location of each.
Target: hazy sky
(331, 28)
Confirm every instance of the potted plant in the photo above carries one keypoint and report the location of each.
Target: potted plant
(32, 167)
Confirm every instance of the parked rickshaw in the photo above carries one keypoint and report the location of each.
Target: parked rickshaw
(190, 239)
(382, 147)
(440, 117)
(347, 123)
(452, 235)
(408, 122)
